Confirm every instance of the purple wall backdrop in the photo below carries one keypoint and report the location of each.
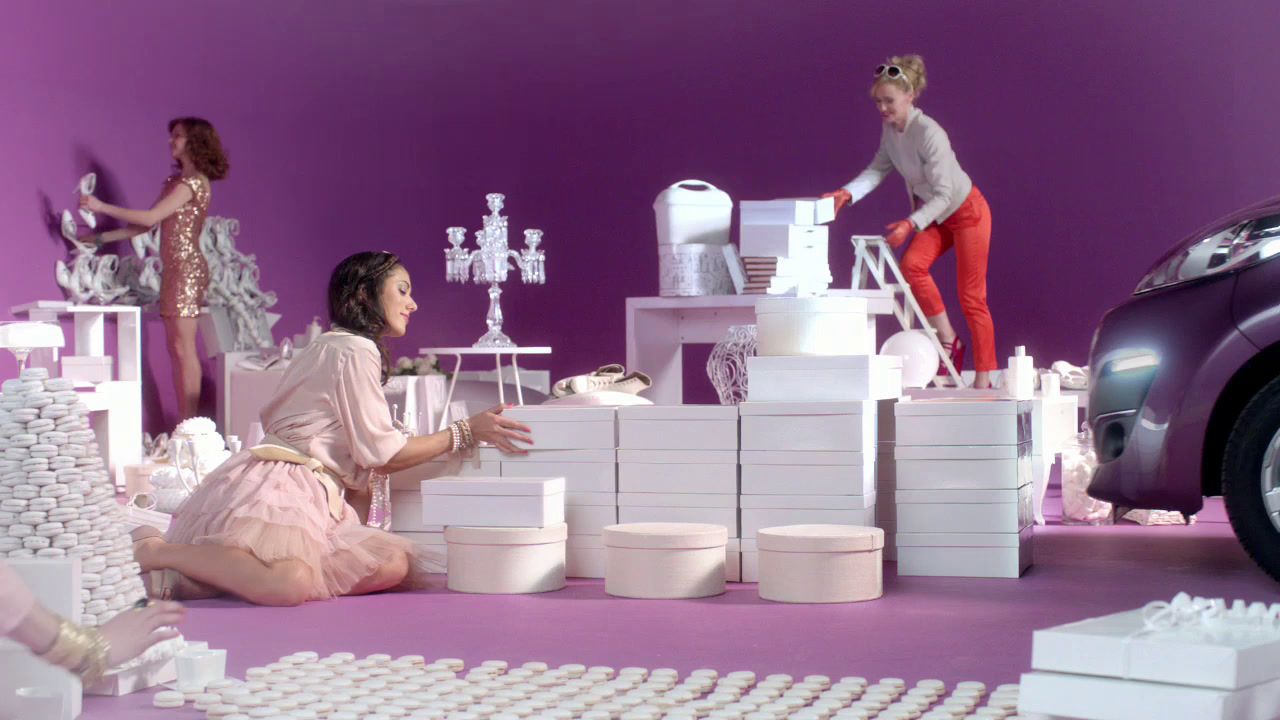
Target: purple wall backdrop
(1099, 132)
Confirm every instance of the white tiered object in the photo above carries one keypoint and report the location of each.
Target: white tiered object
(506, 560)
(665, 560)
(820, 563)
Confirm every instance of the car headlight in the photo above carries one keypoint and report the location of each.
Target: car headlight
(1233, 248)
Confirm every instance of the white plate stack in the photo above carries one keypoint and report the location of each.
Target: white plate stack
(806, 463)
(57, 502)
(963, 492)
(679, 464)
(406, 497)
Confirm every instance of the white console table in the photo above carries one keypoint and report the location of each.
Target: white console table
(117, 403)
(659, 327)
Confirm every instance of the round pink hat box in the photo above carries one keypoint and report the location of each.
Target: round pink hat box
(506, 561)
(820, 563)
(664, 560)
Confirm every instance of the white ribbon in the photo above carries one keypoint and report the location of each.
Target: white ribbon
(1208, 617)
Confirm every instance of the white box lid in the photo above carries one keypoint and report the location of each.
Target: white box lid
(685, 500)
(663, 536)
(555, 413)
(857, 407)
(493, 486)
(993, 540)
(997, 496)
(679, 457)
(458, 534)
(565, 456)
(820, 538)
(962, 406)
(807, 363)
(962, 452)
(807, 502)
(816, 304)
(677, 412)
(843, 458)
(591, 499)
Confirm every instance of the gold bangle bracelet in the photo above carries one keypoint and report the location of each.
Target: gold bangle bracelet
(83, 651)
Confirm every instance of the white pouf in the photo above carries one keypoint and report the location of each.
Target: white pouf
(506, 561)
(665, 560)
(820, 563)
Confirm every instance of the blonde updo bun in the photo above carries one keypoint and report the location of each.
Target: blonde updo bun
(913, 67)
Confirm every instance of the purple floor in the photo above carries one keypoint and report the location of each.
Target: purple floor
(948, 628)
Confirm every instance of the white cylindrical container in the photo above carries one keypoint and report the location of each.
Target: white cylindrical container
(693, 211)
(691, 270)
(813, 326)
(820, 563)
(506, 561)
(665, 560)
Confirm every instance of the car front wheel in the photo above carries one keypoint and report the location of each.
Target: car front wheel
(1251, 478)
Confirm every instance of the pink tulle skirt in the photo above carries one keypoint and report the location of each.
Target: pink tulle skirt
(278, 511)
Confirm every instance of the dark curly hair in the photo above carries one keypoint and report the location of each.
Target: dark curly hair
(204, 146)
(354, 289)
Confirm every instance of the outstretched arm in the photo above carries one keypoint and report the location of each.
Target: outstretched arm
(164, 207)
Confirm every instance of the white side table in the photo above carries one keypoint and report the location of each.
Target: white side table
(117, 402)
(497, 353)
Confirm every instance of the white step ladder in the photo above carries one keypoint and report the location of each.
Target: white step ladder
(873, 257)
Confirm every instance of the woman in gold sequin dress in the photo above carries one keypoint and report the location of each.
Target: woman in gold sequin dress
(197, 151)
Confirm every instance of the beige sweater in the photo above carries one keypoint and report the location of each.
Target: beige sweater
(922, 154)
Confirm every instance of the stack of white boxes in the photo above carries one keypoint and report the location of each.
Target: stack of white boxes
(406, 497)
(577, 444)
(887, 477)
(806, 463)
(963, 473)
(793, 231)
(679, 463)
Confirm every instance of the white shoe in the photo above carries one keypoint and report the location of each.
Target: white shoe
(564, 388)
(69, 227)
(632, 384)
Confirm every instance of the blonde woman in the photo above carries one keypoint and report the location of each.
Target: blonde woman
(948, 211)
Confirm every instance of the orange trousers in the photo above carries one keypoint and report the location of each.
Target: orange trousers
(968, 230)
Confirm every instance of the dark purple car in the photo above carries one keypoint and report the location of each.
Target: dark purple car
(1184, 397)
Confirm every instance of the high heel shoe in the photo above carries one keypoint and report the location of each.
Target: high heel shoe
(955, 350)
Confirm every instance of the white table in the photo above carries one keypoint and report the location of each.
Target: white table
(117, 402)
(497, 353)
(659, 327)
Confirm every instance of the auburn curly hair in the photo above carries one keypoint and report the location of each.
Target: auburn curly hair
(354, 291)
(204, 146)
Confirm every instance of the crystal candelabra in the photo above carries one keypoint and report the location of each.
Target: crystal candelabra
(490, 262)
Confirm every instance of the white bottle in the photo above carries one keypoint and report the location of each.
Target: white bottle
(314, 330)
(1019, 378)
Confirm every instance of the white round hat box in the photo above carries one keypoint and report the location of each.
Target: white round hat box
(664, 560)
(693, 211)
(820, 563)
(824, 325)
(506, 561)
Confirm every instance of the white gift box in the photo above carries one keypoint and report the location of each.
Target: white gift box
(827, 426)
(588, 513)
(584, 556)
(406, 513)
(701, 508)
(962, 467)
(824, 379)
(87, 368)
(1097, 698)
(820, 325)
(568, 428)
(135, 679)
(475, 466)
(978, 555)
(788, 211)
(22, 669)
(778, 472)
(678, 471)
(1225, 657)
(54, 582)
(820, 563)
(964, 511)
(781, 240)
(954, 421)
(886, 432)
(582, 470)
(678, 427)
(757, 518)
(665, 560)
(493, 502)
(506, 560)
(750, 560)
(886, 467)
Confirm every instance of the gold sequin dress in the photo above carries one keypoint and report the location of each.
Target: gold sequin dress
(185, 275)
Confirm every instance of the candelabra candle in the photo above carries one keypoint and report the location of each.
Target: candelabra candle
(490, 263)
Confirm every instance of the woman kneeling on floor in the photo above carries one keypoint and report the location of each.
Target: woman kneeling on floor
(271, 525)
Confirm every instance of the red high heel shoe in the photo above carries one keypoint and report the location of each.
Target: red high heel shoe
(955, 349)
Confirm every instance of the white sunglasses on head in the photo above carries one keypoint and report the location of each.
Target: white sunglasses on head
(893, 72)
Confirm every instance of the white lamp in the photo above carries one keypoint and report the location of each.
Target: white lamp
(20, 338)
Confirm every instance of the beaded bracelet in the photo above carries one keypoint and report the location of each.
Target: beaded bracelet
(460, 434)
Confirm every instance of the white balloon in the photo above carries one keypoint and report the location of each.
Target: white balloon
(919, 356)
